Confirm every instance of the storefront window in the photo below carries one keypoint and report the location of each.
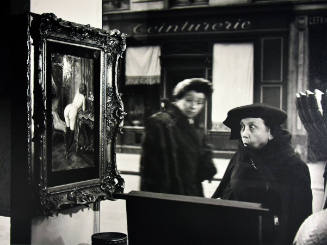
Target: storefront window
(114, 5)
(142, 83)
(232, 77)
(140, 102)
(135, 105)
(176, 3)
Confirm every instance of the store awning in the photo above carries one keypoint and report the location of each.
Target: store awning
(143, 65)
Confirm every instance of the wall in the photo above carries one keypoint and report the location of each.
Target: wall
(79, 11)
(72, 228)
(5, 156)
(5, 151)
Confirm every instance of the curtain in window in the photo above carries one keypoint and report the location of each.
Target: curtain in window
(143, 65)
(232, 77)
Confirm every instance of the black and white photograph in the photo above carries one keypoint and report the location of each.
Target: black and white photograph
(164, 122)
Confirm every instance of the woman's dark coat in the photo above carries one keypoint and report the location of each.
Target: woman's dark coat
(274, 176)
(175, 158)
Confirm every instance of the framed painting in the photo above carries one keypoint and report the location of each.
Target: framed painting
(74, 112)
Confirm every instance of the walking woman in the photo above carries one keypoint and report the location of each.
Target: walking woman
(175, 157)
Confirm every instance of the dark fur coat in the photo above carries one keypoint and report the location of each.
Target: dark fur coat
(175, 158)
(274, 176)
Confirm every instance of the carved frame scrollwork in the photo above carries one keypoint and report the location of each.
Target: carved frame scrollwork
(44, 30)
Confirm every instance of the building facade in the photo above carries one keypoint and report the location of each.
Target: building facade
(252, 51)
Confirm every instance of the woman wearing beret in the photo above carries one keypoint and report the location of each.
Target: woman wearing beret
(175, 158)
(266, 169)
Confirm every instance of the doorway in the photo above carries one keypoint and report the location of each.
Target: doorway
(178, 67)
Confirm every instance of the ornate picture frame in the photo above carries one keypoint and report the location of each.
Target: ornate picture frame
(74, 112)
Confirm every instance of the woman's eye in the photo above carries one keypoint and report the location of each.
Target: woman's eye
(252, 127)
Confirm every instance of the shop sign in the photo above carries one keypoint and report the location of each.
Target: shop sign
(191, 27)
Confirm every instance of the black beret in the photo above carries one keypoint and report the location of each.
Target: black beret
(271, 115)
(197, 84)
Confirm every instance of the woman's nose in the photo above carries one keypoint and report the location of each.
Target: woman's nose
(245, 132)
(192, 105)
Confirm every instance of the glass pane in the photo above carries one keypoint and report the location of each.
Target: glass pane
(232, 78)
(272, 60)
(174, 3)
(271, 95)
(113, 5)
(140, 102)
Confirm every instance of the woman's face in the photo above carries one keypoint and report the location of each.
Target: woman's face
(191, 103)
(254, 133)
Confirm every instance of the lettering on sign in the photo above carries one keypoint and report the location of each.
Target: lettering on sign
(317, 20)
(188, 26)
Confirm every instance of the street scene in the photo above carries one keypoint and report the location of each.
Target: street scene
(149, 117)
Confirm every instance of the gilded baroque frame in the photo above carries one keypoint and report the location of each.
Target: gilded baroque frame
(95, 54)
